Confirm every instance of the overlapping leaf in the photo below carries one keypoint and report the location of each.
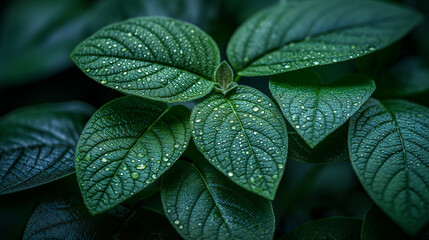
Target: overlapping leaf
(201, 203)
(127, 145)
(314, 109)
(300, 34)
(37, 144)
(335, 228)
(244, 136)
(153, 57)
(389, 151)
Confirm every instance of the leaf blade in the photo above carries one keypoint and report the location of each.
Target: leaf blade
(227, 206)
(152, 57)
(296, 35)
(244, 136)
(37, 144)
(390, 159)
(314, 109)
(126, 146)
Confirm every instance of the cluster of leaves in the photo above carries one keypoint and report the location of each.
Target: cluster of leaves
(243, 135)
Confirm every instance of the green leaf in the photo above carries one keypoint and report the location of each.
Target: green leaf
(377, 226)
(37, 144)
(301, 34)
(333, 149)
(126, 145)
(66, 218)
(389, 151)
(152, 57)
(224, 78)
(315, 109)
(244, 136)
(334, 228)
(202, 204)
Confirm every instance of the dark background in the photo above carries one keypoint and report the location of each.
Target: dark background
(37, 36)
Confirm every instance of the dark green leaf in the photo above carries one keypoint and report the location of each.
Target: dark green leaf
(37, 144)
(335, 228)
(202, 204)
(301, 34)
(244, 136)
(153, 57)
(378, 226)
(314, 109)
(333, 149)
(126, 145)
(389, 151)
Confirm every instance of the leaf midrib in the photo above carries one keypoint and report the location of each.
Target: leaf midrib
(129, 150)
(261, 56)
(214, 200)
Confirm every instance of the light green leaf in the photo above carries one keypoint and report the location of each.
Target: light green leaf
(244, 136)
(389, 151)
(378, 226)
(202, 204)
(126, 145)
(224, 78)
(302, 34)
(314, 109)
(152, 57)
(37, 144)
(334, 228)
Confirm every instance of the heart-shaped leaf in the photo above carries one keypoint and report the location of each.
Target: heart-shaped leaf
(37, 144)
(300, 34)
(244, 136)
(389, 151)
(126, 145)
(66, 218)
(152, 57)
(335, 228)
(201, 203)
(314, 109)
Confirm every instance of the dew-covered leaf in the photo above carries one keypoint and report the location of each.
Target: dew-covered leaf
(389, 151)
(301, 34)
(37, 144)
(378, 226)
(126, 145)
(244, 136)
(333, 149)
(201, 203)
(335, 228)
(152, 57)
(315, 109)
(66, 217)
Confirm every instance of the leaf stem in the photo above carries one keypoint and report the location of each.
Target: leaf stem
(237, 78)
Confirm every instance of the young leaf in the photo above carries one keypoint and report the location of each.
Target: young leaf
(152, 57)
(66, 218)
(202, 204)
(37, 144)
(224, 77)
(302, 34)
(377, 226)
(244, 136)
(315, 110)
(389, 151)
(126, 145)
(334, 228)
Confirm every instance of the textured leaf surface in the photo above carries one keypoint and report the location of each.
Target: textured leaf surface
(333, 149)
(153, 57)
(378, 226)
(335, 228)
(389, 151)
(126, 145)
(244, 136)
(37, 144)
(201, 203)
(302, 34)
(314, 109)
